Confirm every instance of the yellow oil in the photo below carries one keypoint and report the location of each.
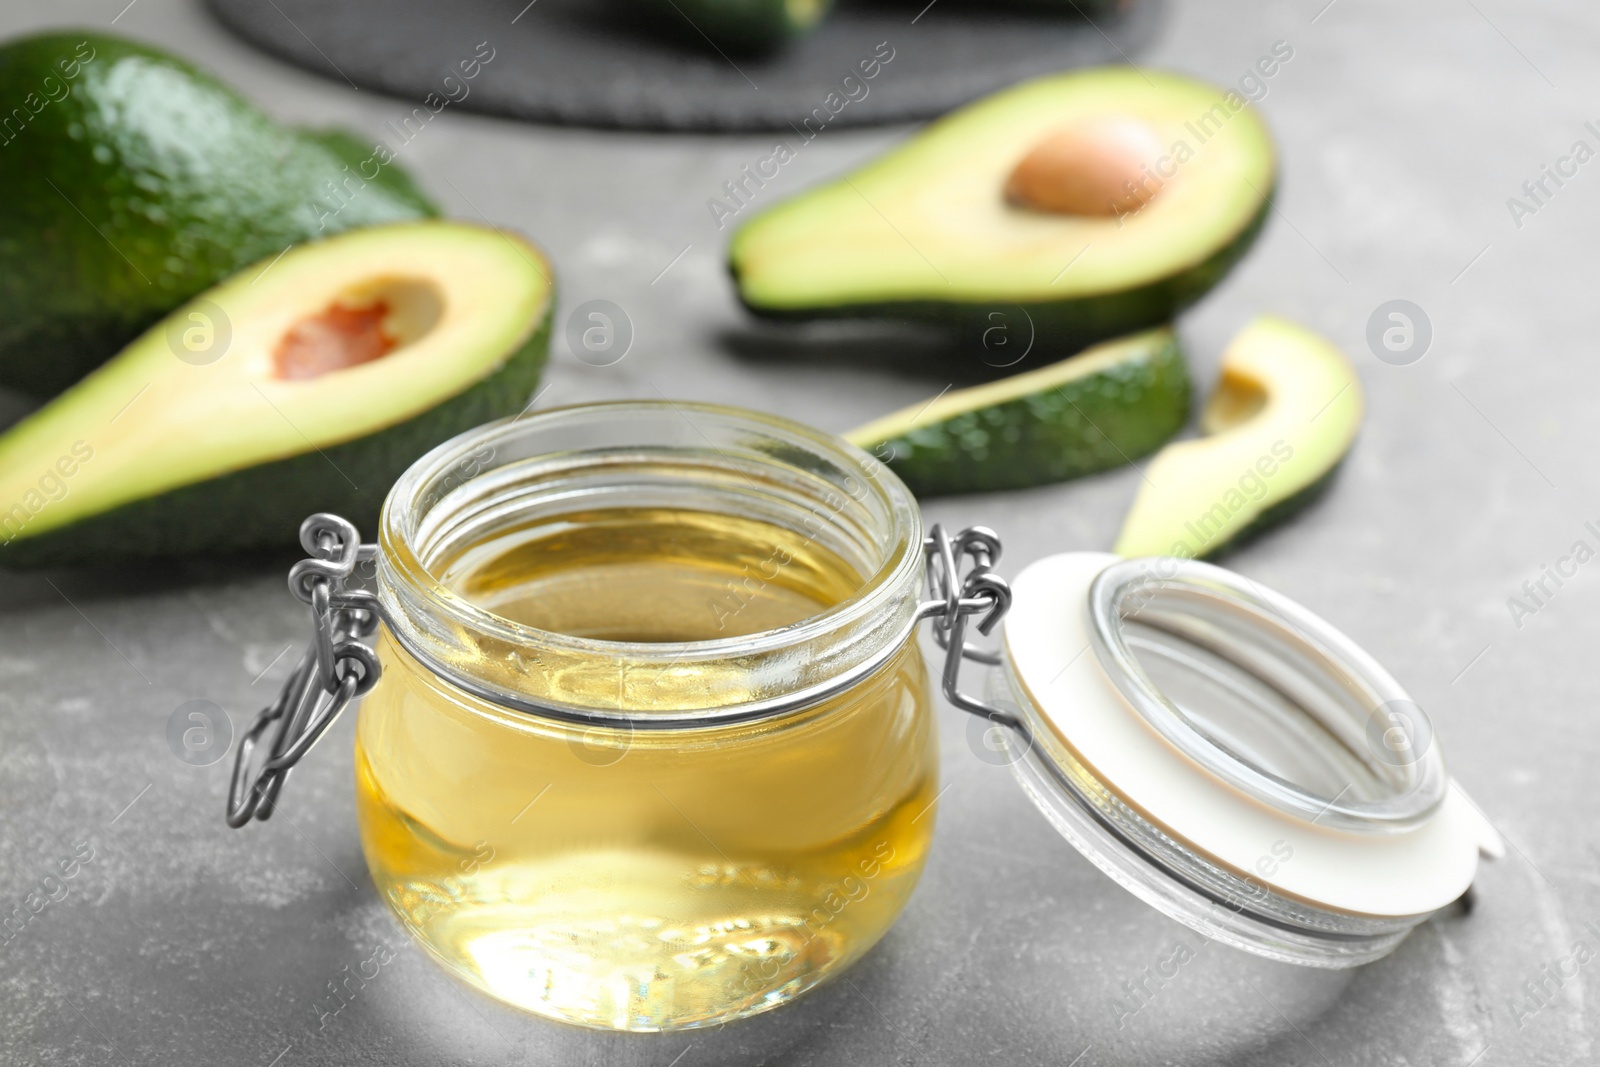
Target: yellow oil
(646, 879)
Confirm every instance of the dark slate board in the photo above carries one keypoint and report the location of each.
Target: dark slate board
(588, 62)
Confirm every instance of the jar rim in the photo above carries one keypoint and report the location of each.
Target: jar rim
(404, 518)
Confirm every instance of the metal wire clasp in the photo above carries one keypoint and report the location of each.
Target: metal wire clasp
(954, 597)
(335, 668)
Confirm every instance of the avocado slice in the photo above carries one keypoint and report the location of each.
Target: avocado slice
(301, 385)
(1102, 408)
(750, 27)
(1286, 409)
(1097, 203)
(134, 181)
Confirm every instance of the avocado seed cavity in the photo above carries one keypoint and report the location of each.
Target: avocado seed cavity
(1102, 167)
(363, 324)
(1237, 400)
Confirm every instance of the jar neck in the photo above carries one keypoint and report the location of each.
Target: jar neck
(500, 478)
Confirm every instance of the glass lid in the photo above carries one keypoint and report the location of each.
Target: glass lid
(1266, 695)
(1231, 758)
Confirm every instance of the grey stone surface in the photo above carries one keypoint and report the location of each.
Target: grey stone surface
(1404, 130)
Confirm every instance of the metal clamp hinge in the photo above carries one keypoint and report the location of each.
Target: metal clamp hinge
(334, 669)
(955, 597)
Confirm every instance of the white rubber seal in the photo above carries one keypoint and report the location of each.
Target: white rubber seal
(1388, 875)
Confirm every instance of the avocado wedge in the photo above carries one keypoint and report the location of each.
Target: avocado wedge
(743, 26)
(1098, 202)
(1102, 408)
(134, 181)
(301, 385)
(1285, 411)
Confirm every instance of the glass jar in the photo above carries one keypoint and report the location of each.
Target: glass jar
(587, 817)
(649, 742)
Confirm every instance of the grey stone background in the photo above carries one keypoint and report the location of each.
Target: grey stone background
(1404, 130)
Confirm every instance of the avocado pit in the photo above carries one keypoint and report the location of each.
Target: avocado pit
(334, 339)
(1099, 168)
(359, 326)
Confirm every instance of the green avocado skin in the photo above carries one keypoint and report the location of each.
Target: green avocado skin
(1278, 514)
(1094, 423)
(747, 26)
(263, 506)
(1059, 325)
(351, 151)
(134, 181)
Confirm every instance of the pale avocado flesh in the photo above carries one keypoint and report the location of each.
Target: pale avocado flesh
(1100, 409)
(924, 232)
(175, 449)
(1284, 415)
(134, 181)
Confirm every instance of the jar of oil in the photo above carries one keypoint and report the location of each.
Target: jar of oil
(652, 745)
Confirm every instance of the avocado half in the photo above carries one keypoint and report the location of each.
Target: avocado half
(302, 385)
(1100, 409)
(743, 26)
(134, 181)
(1285, 412)
(1165, 182)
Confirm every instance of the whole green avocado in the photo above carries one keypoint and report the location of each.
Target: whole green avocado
(134, 181)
